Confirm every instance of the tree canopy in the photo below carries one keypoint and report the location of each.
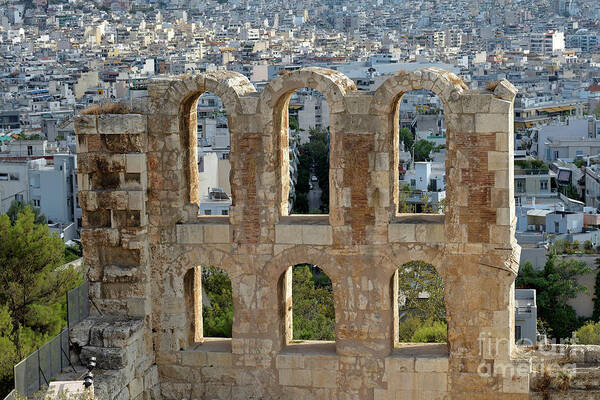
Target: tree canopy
(421, 291)
(421, 307)
(312, 298)
(218, 315)
(313, 159)
(32, 289)
(406, 137)
(17, 207)
(422, 149)
(554, 285)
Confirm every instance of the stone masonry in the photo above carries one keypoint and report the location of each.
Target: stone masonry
(143, 241)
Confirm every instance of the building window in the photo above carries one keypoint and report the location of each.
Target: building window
(3, 177)
(36, 202)
(18, 197)
(224, 212)
(520, 185)
(517, 332)
(543, 185)
(29, 150)
(207, 212)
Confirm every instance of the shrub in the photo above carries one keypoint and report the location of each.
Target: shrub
(431, 332)
(407, 328)
(589, 333)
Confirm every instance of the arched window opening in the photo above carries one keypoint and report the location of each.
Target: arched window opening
(213, 147)
(419, 308)
(309, 142)
(421, 139)
(209, 303)
(307, 299)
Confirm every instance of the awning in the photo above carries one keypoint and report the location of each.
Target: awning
(557, 109)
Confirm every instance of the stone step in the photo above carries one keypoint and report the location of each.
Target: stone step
(586, 378)
(574, 394)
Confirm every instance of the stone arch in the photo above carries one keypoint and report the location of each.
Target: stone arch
(399, 257)
(450, 90)
(279, 271)
(303, 254)
(432, 254)
(228, 85)
(446, 85)
(203, 255)
(182, 278)
(182, 97)
(273, 103)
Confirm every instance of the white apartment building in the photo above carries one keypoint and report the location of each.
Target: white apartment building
(583, 40)
(425, 179)
(14, 184)
(49, 183)
(553, 141)
(314, 113)
(546, 43)
(214, 189)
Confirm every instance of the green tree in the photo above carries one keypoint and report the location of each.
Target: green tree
(432, 331)
(30, 286)
(301, 204)
(417, 279)
(570, 191)
(17, 207)
(8, 355)
(217, 316)
(313, 159)
(403, 195)
(554, 285)
(313, 310)
(589, 333)
(72, 253)
(406, 137)
(422, 149)
(596, 314)
(293, 123)
(318, 149)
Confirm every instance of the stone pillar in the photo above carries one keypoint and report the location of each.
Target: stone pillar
(112, 183)
(482, 260)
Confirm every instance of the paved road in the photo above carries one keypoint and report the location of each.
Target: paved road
(314, 198)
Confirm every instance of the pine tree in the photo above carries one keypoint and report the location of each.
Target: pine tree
(30, 286)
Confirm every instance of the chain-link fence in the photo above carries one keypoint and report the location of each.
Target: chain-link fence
(78, 304)
(45, 363)
(42, 365)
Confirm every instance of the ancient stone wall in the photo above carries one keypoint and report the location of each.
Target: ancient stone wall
(142, 236)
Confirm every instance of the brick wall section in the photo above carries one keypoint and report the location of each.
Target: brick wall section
(249, 231)
(143, 234)
(478, 181)
(360, 214)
